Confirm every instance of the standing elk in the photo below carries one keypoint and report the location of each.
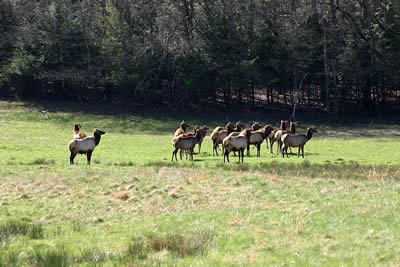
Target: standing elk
(84, 146)
(297, 140)
(236, 143)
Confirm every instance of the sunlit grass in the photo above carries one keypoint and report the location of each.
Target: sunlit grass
(337, 206)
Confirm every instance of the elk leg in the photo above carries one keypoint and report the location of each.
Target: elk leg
(89, 156)
(71, 158)
(174, 153)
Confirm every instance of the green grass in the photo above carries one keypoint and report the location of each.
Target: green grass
(338, 206)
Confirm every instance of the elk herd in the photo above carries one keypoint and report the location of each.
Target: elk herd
(233, 138)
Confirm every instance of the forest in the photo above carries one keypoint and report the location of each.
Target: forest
(336, 56)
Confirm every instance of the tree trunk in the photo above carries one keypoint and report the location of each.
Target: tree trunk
(326, 72)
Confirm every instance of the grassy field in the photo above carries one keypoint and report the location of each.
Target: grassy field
(338, 206)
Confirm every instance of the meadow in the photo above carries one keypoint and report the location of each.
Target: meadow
(133, 206)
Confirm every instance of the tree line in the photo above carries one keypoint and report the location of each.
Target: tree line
(339, 56)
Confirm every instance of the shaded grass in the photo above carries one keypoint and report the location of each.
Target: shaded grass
(42, 161)
(52, 256)
(183, 245)
(137, 249)
(16, 227)
(93, 255)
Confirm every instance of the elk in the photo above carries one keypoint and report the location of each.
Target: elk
(238, 128)
(271, 136)
(257, 137)
(236, 131)
(236, 143)
(255, 125)
(185, 143)
(84, 146)
(77, 134)
(202, 132)
(182, 128)
(279, 133)
(297, 140)
(218, 136)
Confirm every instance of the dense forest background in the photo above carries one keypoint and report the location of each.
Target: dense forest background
(340, 56)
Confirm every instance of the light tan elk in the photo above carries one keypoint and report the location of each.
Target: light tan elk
(185, 143)
(279, 133)
(297, 140)
(257, 137)
(202, 132)
(85, 146)
(236, 131)
(236, 143)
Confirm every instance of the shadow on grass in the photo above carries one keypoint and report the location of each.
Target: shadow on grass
(182, 244)
(38, 161)
(335, 170)
(137, 251)
(125, 118)
(18, 227)
(123, 164)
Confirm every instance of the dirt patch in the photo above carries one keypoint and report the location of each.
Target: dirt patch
(123, 195)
